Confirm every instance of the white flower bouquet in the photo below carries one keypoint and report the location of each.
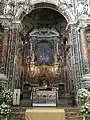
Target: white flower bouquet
(4, 109)
(85, 109)
(7, 96)
(83, 95)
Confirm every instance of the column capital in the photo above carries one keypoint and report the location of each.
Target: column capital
(82, 25)
(16, 24)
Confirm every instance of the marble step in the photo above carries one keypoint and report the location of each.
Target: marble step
(80, 117)
(73, 114)
(17, 117)
(75, 118)
(18, 113)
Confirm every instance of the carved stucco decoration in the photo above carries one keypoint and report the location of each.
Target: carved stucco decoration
(83, 8)
(1, 7)
(55, 2)
(26, 6)
(81, 25)
(62, 28)
(44, 33)
(1, 36)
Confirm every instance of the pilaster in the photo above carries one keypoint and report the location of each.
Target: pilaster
(84, 48)
(12, 71)
(76, 58)
(4, 49)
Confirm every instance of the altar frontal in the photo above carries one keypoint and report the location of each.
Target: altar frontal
(45, 114)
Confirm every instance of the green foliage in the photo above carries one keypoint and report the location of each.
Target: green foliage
(2, 67)
(4, 109)
(5, 102)
(85, 109)
(6, 96)
(83, 95)
(1, 95)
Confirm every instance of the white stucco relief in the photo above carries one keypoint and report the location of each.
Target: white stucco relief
(55, 2)
(25, 5)
(58, 3)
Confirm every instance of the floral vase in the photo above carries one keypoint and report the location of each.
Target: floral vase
(3, 118)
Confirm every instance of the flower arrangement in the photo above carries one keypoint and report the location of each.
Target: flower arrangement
(85, 109)
(83, 95)
(7, 96)
(5, 102)
(4, 109)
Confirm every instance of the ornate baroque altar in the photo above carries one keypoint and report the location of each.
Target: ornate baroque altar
(44, 97)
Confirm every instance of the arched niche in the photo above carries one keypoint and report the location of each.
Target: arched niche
(52, 4)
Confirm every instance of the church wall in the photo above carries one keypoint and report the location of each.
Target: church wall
(76, 14)
(1, 42)
(88, 46)
(5, 45)
(4, 51)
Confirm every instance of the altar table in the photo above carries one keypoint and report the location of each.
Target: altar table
(45, 114)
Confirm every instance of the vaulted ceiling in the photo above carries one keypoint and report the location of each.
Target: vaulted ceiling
(43, 17)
